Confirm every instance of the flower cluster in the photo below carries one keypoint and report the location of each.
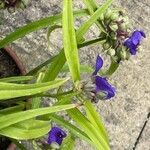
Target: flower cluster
(120, 42)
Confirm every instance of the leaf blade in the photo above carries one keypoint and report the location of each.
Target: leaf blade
(69, 40)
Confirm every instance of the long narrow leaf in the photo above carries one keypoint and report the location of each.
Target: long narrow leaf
(90, 130)
(21, 131)
(95, 119)
(16, 79)
(68, 143)
(10, 90)
(31, 27)
(69, 40)
(11, 119)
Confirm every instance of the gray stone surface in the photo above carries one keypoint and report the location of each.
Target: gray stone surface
(125, 114)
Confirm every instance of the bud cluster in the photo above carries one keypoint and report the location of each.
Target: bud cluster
(117, 26)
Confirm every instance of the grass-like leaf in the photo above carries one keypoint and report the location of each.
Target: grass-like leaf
(95, 119)
(10, 90)
(68, 143)
(98, 140)
(28, 129)
(36, 25)
(14, 118)
(69, 40)
(16, 79)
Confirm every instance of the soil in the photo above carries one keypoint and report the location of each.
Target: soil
(7, 65)
(8, 68)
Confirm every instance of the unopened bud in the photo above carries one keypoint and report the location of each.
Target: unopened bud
(54, 145)
(139, 49)
(113, 35)
(113, 26)
(123, 54)
(114, 16)
(106, 45)
(111, 52)
(108, 14)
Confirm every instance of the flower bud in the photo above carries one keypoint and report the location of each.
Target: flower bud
(111, 52)
(106, 45)
(54, 145)
(108, 14)
(139, 49)
(113, 35)
(114, 16)
(123, 54)
(113, 26)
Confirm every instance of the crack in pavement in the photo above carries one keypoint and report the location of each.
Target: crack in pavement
(142, 130)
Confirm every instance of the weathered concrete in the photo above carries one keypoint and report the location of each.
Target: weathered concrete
(125, 115)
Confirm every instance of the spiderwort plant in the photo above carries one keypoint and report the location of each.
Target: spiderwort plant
(29, 120)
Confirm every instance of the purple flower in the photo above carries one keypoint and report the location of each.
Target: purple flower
(134, 40)
(101, 83)
(56, 136)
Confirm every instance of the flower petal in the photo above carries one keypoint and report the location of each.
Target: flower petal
(103, 86)
(129, 44)
(99, 64)
(143, 34)
(56, 135)
(136, 37)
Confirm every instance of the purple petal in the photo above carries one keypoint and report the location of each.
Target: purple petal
(129, 44)
(99, 64)
(133, 42)
(103, 86)
(136, 37)
(56, 135)
(143, 34)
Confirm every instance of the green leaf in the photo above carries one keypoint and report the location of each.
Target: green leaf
(89, 129)
(16, 79)
(12, 109)
(85, 26)
(68, 143)
(50, 30)
(10, 90)
(37, 100)
(36, 25)
(95, 119)
(69, 40)
(11, 119)
(83, 68)
(28, 129)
